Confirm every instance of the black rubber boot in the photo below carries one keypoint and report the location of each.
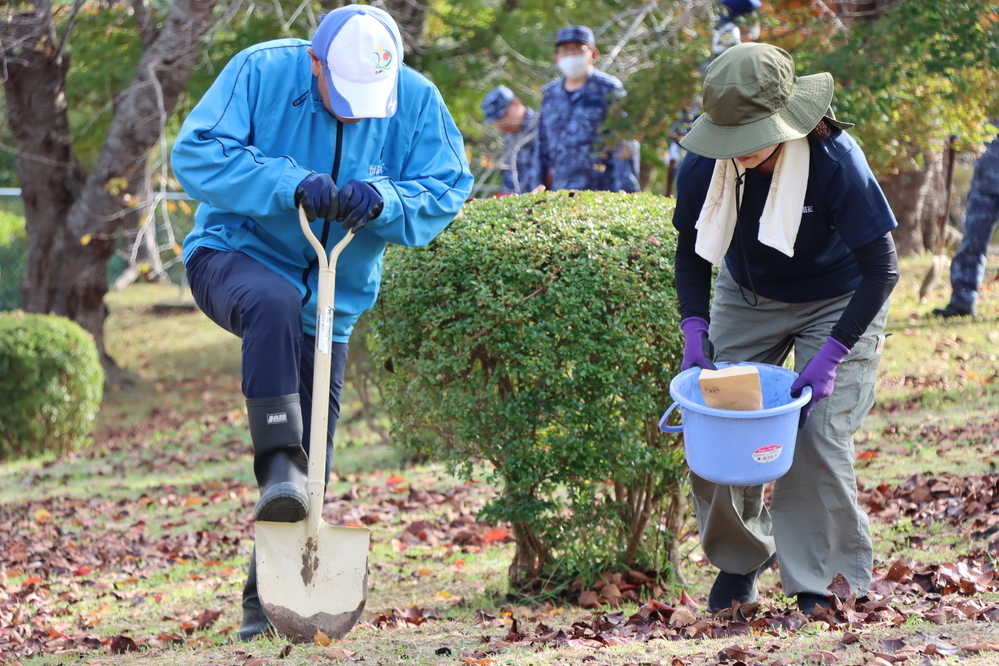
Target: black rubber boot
(953, 310)
(279, 461)
(255, 622)
(735, 587)
(808, 602)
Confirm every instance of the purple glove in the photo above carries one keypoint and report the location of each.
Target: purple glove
(820, 374)
(359, 202)
(697, 349)
(316, 194)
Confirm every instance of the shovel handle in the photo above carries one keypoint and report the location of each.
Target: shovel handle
(324, 261)
(321, 369)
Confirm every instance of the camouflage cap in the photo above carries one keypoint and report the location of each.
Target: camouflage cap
(575, 33)
(495, 102)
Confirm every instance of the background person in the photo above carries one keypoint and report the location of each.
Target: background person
(776, 195)
(981, 215)
(519, 125)
(366, 146)
(573, 151)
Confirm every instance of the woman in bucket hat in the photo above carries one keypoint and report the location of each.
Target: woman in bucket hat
(777, 196)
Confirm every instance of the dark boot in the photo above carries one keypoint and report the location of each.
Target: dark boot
(255, 622)
(735, 587)
(279, 461)
(808, 602)
(953, 310)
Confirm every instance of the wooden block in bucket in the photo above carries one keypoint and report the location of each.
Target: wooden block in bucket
(736, 387)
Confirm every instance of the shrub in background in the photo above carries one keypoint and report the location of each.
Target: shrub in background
(13, 257)
(539, 334)
(51, 381)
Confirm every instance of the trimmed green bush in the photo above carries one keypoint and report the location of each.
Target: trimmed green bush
(51, 381)
(539, 334)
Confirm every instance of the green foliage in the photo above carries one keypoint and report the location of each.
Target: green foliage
(105, 51)
(657, 93)
(923, 71)
(539, 334)
(8, 162)
(11, 228)
(105, 48)
(13, 252)
(474, 45)
(52, 382)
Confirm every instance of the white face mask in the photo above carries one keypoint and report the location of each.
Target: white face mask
(574, 66)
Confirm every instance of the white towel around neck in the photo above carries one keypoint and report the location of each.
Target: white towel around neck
(781, 212)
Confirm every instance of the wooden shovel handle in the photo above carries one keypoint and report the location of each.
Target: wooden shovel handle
(321, 369)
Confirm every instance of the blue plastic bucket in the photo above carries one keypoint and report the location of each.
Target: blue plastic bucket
(738, 448)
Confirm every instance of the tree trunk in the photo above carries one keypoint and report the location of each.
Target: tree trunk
(859, 10)
(73, 228)
(51, 178)
(676, 514)
(411, 17)
(916, 199)
(528, 557)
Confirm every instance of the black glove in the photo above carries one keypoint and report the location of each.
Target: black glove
(317, 195)
(358, 202)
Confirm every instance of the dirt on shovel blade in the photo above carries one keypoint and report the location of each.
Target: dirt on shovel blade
(300, 629)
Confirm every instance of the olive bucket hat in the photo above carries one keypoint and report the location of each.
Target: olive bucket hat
(752, 99)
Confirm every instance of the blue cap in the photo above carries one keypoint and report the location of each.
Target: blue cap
(575, 33)
(361, 51)
(737, 8)
(495, 102)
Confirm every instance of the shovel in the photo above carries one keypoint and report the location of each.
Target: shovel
(311, 576)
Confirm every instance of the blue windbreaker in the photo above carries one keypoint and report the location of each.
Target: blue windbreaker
(261, 128)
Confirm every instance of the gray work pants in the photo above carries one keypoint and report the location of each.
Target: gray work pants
(814, 523)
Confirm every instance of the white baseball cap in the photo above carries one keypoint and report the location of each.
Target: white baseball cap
(361, 51)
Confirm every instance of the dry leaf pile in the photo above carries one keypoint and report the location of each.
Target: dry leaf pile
(60, 551)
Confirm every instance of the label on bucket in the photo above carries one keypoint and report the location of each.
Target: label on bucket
(768, 453)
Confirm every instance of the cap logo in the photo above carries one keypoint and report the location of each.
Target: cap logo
(383, 60)
(363, 53)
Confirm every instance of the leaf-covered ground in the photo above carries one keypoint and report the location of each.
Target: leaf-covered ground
(157, 565)
(135, 549)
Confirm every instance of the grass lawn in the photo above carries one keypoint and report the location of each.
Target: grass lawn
(144, 536)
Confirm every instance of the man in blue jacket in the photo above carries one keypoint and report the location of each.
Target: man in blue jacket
(364, 145)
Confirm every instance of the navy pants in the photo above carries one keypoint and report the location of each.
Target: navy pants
(982, 213)
(264, 310)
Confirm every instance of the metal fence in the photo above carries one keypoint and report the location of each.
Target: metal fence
(172, 218)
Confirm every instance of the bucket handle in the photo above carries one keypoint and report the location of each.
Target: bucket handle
(662, 422)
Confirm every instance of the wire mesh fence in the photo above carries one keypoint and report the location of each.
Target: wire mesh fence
(161, 232)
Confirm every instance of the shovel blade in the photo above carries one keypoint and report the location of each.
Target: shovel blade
(311, 581)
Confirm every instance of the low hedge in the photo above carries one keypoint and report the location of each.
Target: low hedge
(51, 381)
(539, 334)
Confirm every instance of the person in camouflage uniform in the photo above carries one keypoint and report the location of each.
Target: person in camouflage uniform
(572, 150)
(982, 213)
(519, 124)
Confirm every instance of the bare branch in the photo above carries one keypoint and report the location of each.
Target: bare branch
(34, 158)
(144, 22)
(629, 54)
(624, 38)
(64, 40)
